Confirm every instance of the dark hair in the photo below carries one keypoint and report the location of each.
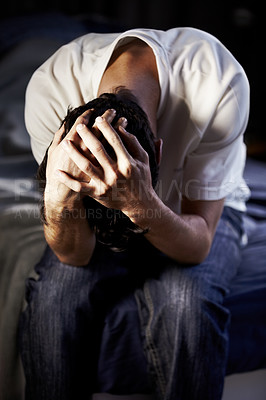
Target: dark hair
(112, 227)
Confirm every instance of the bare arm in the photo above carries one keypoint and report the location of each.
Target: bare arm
(68, 233)
(187, 237)
(66, 230)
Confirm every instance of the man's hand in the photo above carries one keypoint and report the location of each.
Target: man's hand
(55, 191)
(67, 230)
(122, 180)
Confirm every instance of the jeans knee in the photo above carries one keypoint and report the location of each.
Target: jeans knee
(184, 300)
(200, 302)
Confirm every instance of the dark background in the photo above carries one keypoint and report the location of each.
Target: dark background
(238, 24)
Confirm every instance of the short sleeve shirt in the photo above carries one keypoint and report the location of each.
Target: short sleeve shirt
(202, 114)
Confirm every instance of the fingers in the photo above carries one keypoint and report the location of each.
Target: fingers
(57, 137)
(95, 146)
(125, 148)
(109, 116)
(81, 161)
(92, 142)
(73, 184)
(121, 122)
(112, 137)
(90, 154)
(82, 119)
(82, 147)
(132, 144)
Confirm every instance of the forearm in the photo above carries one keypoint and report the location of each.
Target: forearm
(184, 238)
(68, 233)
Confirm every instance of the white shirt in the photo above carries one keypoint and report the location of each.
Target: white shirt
(202, 115)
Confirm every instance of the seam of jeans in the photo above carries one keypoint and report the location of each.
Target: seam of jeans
(150, 344)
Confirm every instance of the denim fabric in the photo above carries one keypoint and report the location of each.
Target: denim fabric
(61, 334)
(73, 311)
(184, 323)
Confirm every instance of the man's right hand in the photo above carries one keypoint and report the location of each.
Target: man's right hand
(67, 230)
(55, 191)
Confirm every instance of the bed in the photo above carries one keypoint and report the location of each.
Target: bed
(25, 43)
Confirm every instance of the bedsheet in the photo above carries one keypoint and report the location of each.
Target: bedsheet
(21, 234)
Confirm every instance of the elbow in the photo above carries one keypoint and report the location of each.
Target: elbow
(201, 256)
(74, 260)
(200, 252)
(76, 257)
(196, 258)
(72, 257)
(76, 254)
(196, 253)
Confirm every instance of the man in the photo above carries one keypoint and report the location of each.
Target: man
(196, 98)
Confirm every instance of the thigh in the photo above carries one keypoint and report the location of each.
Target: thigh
(61, 326)
(170, 281)
(60, 288)
(183, 318)
(162, 290)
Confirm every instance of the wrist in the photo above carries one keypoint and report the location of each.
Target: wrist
(57, 209)
(143, 214)
(57, 192)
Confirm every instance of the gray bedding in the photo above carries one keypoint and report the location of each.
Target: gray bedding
(25, 43)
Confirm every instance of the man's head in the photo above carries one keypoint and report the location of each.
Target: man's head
(112, 227)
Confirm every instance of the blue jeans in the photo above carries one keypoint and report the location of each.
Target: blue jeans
(122, 325)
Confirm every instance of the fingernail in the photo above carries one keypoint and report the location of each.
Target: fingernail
(99, 119)
(124, 122)
(113, 111)
(80, 127)
(65, 143)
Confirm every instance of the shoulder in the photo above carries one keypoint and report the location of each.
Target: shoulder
(207, 77)
(192, 50)
(63, 80)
